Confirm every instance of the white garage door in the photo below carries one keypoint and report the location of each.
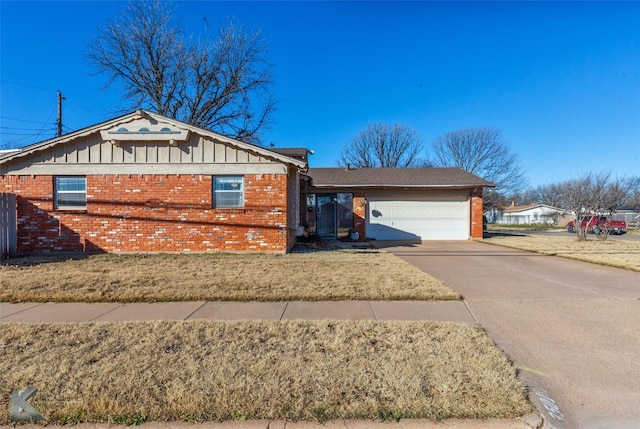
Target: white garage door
(418, 220)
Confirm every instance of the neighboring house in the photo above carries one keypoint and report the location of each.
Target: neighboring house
(396, 203)
(146, 183)
(530, 214)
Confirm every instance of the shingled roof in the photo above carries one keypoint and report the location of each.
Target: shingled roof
(292, 152)
(395, 177)
(514, 208)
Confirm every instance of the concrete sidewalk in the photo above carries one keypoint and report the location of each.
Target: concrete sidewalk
(452, 311)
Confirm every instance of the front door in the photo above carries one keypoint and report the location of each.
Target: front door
(326, 215)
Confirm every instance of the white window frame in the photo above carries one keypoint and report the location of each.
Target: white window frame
(216, 192)
(58, 192)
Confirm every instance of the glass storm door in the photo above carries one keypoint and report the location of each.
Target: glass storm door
(326, 215)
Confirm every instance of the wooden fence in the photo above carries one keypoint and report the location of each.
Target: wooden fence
(8, 225)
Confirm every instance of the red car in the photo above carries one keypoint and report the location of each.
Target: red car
(597, 224)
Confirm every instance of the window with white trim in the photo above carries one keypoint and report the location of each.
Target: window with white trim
(71, 193)
(228, 192)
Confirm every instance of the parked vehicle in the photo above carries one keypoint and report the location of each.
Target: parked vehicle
(597, 224)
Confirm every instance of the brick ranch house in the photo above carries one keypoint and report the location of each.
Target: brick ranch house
(146, 183)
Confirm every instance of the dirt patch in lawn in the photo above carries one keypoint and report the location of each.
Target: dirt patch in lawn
(615, 253)
(331, 275)
(299, 370)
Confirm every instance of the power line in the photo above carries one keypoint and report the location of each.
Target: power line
(26, 134)
(22, 120)
(13, 141)
(20, 129)
(28, 86)
(45, 125)
(50, 90)
(43, 129)
(85, 108)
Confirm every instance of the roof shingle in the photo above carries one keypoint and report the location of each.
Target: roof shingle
(395, 177)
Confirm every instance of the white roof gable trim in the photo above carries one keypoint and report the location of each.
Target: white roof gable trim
(145, 130)
(143, 125)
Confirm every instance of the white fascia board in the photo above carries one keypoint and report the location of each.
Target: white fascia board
(400, 186)
(136, 169)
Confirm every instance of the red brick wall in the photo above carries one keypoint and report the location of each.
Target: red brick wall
(151, 213)
(476, 215)
(293, 201)
(359, 214)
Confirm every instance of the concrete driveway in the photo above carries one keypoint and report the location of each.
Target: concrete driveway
(571, 328)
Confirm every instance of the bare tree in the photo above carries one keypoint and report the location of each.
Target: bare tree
(485, 153)
(221, 84)
(549, 194)
(592, 194)
(633, 198)
(382, 145)
(576, 198)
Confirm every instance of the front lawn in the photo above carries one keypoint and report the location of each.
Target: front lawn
(615, 253)
(131, 372)
(328, 275)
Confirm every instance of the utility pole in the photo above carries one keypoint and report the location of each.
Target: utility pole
(59, 121)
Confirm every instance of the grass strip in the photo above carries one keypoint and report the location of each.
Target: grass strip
(614, 253)
(298, 370)
(330, 275)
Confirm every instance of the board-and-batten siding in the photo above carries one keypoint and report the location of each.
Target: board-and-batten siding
(197, 149)
(92, 154)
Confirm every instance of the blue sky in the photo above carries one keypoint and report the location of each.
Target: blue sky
(561, 80)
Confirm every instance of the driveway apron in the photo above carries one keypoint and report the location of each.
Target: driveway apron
(571, 328)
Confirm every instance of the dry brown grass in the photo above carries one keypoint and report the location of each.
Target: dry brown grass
(615, 253)
(299, 370)
(332, 275)
(633, 231)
